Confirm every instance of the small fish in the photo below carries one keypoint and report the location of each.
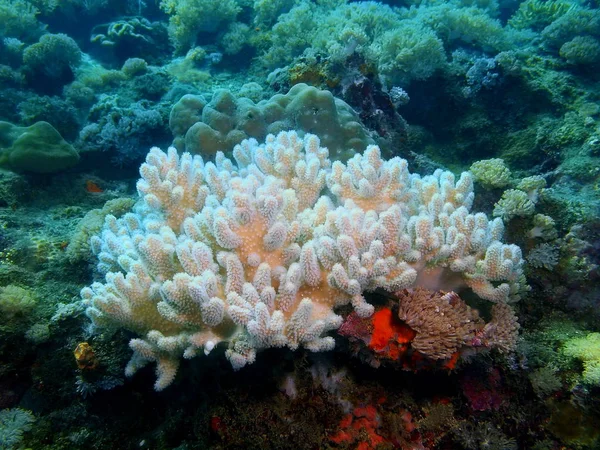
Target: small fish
(92, 187)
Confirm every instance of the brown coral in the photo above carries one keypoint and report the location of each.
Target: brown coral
(503, 330)
(443, 321)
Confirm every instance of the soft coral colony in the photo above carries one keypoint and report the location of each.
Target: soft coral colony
(259, 253)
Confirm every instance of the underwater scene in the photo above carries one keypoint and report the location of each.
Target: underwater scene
(299, 224)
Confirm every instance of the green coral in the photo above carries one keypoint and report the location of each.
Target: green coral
(587, 350)
(12, 51)
(581, 50)
(471, 26)
(187, 70)
(568, 204)
(188, 18)
(46, 6)
(340, 31)
(569, 131)
(402, 44)
(543, 227)
(134, 67)
(409, 52)
(542, 347)
(61, 114)
(545, 381)
(266, 12)
(537, 14)
(18, 19)
(542, 76)
(94, 76)
(152, 84)
(491, 173)
(38, 333)
(514, 203)
(236, 37)
(38, 148)
(576, 22)
(79, 94)
(10, 77)
(533, 186)
(352, 28)
(543, 256)
(289, 36)
(53, 56)
(16, 301)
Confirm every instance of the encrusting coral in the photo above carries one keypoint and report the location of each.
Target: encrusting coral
(253, 255)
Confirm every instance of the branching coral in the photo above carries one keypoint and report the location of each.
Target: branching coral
(252, 255)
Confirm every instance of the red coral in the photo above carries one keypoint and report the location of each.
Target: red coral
(390, 336)
(360, 428)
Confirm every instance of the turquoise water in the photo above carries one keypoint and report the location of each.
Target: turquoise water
(299, 224)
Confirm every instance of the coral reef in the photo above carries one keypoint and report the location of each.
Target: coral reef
(248, 253)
